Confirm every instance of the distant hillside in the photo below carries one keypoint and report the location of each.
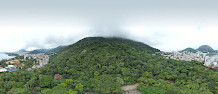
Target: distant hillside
(203, 48)
(22, 51)
(47, 50)
(189, 50)
(57, 49)
(206, 48)
(39, 51)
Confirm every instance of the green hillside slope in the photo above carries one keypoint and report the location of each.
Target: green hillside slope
(102, 65)
(189, 50)
(97, 62)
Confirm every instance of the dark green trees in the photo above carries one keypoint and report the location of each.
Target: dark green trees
(102, 65)
(105, 84)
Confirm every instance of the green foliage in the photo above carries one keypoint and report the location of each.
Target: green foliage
(46, 91)
(17, 91)
(45, 81)
(70, 91)
(69, 81)
(28, 63)
(102, 65)
(59, 90)
(79, 87)
(153, 90)
(2, 63)
(130, 62)
(104, 84)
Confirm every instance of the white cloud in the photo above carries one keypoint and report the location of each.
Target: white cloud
(167, 25)
(13, 38)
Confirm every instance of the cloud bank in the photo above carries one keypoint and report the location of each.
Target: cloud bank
(167, 25)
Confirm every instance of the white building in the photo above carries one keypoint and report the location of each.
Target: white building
(11, 66)
(3, 70)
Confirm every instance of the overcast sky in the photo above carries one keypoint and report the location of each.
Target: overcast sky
(168, 25)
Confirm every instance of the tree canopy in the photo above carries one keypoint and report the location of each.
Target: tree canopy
(102, 65)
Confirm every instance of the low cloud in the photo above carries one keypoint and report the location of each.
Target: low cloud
(166, 26)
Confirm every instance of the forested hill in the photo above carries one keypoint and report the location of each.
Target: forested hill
(189, 50)
(103, 65)
(118, 44)
(107, 46)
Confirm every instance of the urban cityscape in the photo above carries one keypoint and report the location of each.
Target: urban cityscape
(209, 61)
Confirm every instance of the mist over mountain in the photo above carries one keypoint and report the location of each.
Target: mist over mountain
(37, 51)
(22, 51)
(35, 25)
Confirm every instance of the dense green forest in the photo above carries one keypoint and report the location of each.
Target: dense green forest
(102, 65)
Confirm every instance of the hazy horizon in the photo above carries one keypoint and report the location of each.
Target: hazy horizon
(168, 25)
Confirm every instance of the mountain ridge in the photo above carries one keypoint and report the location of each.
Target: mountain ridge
(202, 48)
(206, 48)
(103, 65)
(189, 49)
(37, 51)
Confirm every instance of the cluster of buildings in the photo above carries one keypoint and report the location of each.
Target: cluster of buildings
(41, 59)
(212, 62)
(12, 65)
(186, 56)
(190, 56)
